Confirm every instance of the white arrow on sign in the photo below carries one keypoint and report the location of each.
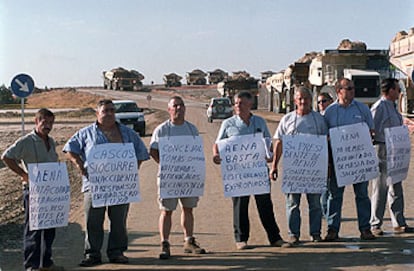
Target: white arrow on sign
(23, 87)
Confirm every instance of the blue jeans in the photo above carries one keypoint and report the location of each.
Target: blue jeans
(335, 200)
(118, 236)
(293, 213)
(32, 241)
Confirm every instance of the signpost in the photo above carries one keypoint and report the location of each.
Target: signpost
(22, 85)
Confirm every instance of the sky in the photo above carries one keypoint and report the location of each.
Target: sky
(70, 43)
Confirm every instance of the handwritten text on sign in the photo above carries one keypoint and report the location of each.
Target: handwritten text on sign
(182, 167)
(113, 174)
(243, 165)
(49, 195)
(398, 144)
(305, 164)
(354, 155)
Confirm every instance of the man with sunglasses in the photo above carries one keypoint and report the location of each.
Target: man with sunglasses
(386, 116)
(345, 111)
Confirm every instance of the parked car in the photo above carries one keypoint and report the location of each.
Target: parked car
(128, 113)
(219, 108)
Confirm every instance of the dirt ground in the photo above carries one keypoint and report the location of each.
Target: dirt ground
(391, 252)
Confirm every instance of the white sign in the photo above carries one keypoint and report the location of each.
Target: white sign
(182, 167)
(398, 144)
(113, 174)
(49, 195)
(305, 163)
(243, 165)
(354, 156)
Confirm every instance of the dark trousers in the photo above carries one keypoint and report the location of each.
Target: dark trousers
(32, 241)
(241, 223)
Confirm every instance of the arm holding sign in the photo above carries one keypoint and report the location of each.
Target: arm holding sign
(216, 155)
(277, 154)
(14, 166)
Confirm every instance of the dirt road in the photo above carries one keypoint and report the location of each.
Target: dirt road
(213, 226)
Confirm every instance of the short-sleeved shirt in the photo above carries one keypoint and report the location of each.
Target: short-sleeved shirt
(292, 123)
(167, 128)
(82, 142)
(235, 126)
(385, 115)
(32, 149)
(356, 112)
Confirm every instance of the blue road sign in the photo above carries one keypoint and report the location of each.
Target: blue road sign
(22, 85)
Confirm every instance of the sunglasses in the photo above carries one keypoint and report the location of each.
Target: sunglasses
(322, 101)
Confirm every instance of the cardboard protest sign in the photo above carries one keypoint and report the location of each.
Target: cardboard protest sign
(182, 166)
(49, 195)
(354, 156)
(243, 165)
(398, 144)
(113, 174)
(305, 163)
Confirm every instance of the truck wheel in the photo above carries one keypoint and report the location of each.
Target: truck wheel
(210, 119)
(277, 103)
(114, 87)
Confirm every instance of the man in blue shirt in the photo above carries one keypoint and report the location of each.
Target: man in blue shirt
(104, 130)
(244, 123)
(345, 111)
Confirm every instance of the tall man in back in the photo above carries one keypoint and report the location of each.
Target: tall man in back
(345, 111)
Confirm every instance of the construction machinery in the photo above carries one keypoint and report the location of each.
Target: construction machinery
(238, 82)
(402, 57)
(196, 77)
(216, 76)
(172, 80)
(122, 79)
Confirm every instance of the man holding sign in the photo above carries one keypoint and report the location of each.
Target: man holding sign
(245, 124)
(347, 111)
(78, 148)
(181, 176)
(385, 116)
(35, 147)
(305, 163)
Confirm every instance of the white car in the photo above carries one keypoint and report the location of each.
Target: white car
(128, 113)
(219, 108)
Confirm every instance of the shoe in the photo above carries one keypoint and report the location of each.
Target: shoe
(122, 259)
(241, 245)
(403, 229)
(278, 243)
(316, 238)
(52, 268)
(377, 231)
(367, 235)
(165, 250)
(293, 240)
(331, 236)
(90, 261)
(191, 246)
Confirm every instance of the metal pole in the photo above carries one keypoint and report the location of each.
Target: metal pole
(22, 113)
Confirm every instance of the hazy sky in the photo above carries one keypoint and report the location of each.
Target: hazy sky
(70, 43)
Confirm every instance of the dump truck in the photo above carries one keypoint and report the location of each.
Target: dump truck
(122, 79)
(402, 57)
(172, 80)
(216, 76)
(196, 77)
(239, 81)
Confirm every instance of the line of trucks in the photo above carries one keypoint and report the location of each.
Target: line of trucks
(317, 71)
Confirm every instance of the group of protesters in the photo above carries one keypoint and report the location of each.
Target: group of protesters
(324, 202)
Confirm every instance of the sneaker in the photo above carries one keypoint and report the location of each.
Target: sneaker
(367, 235)
(377, 231)
(165, 250)
(316, 238)
(52, 268)
(241, 245)
(403, 229)
(278, 243)
(90, 261)
(331, 236)
(122, 259)
(191, 246)
(293, 240)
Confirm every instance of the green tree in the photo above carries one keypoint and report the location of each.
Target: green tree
(6, 96)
